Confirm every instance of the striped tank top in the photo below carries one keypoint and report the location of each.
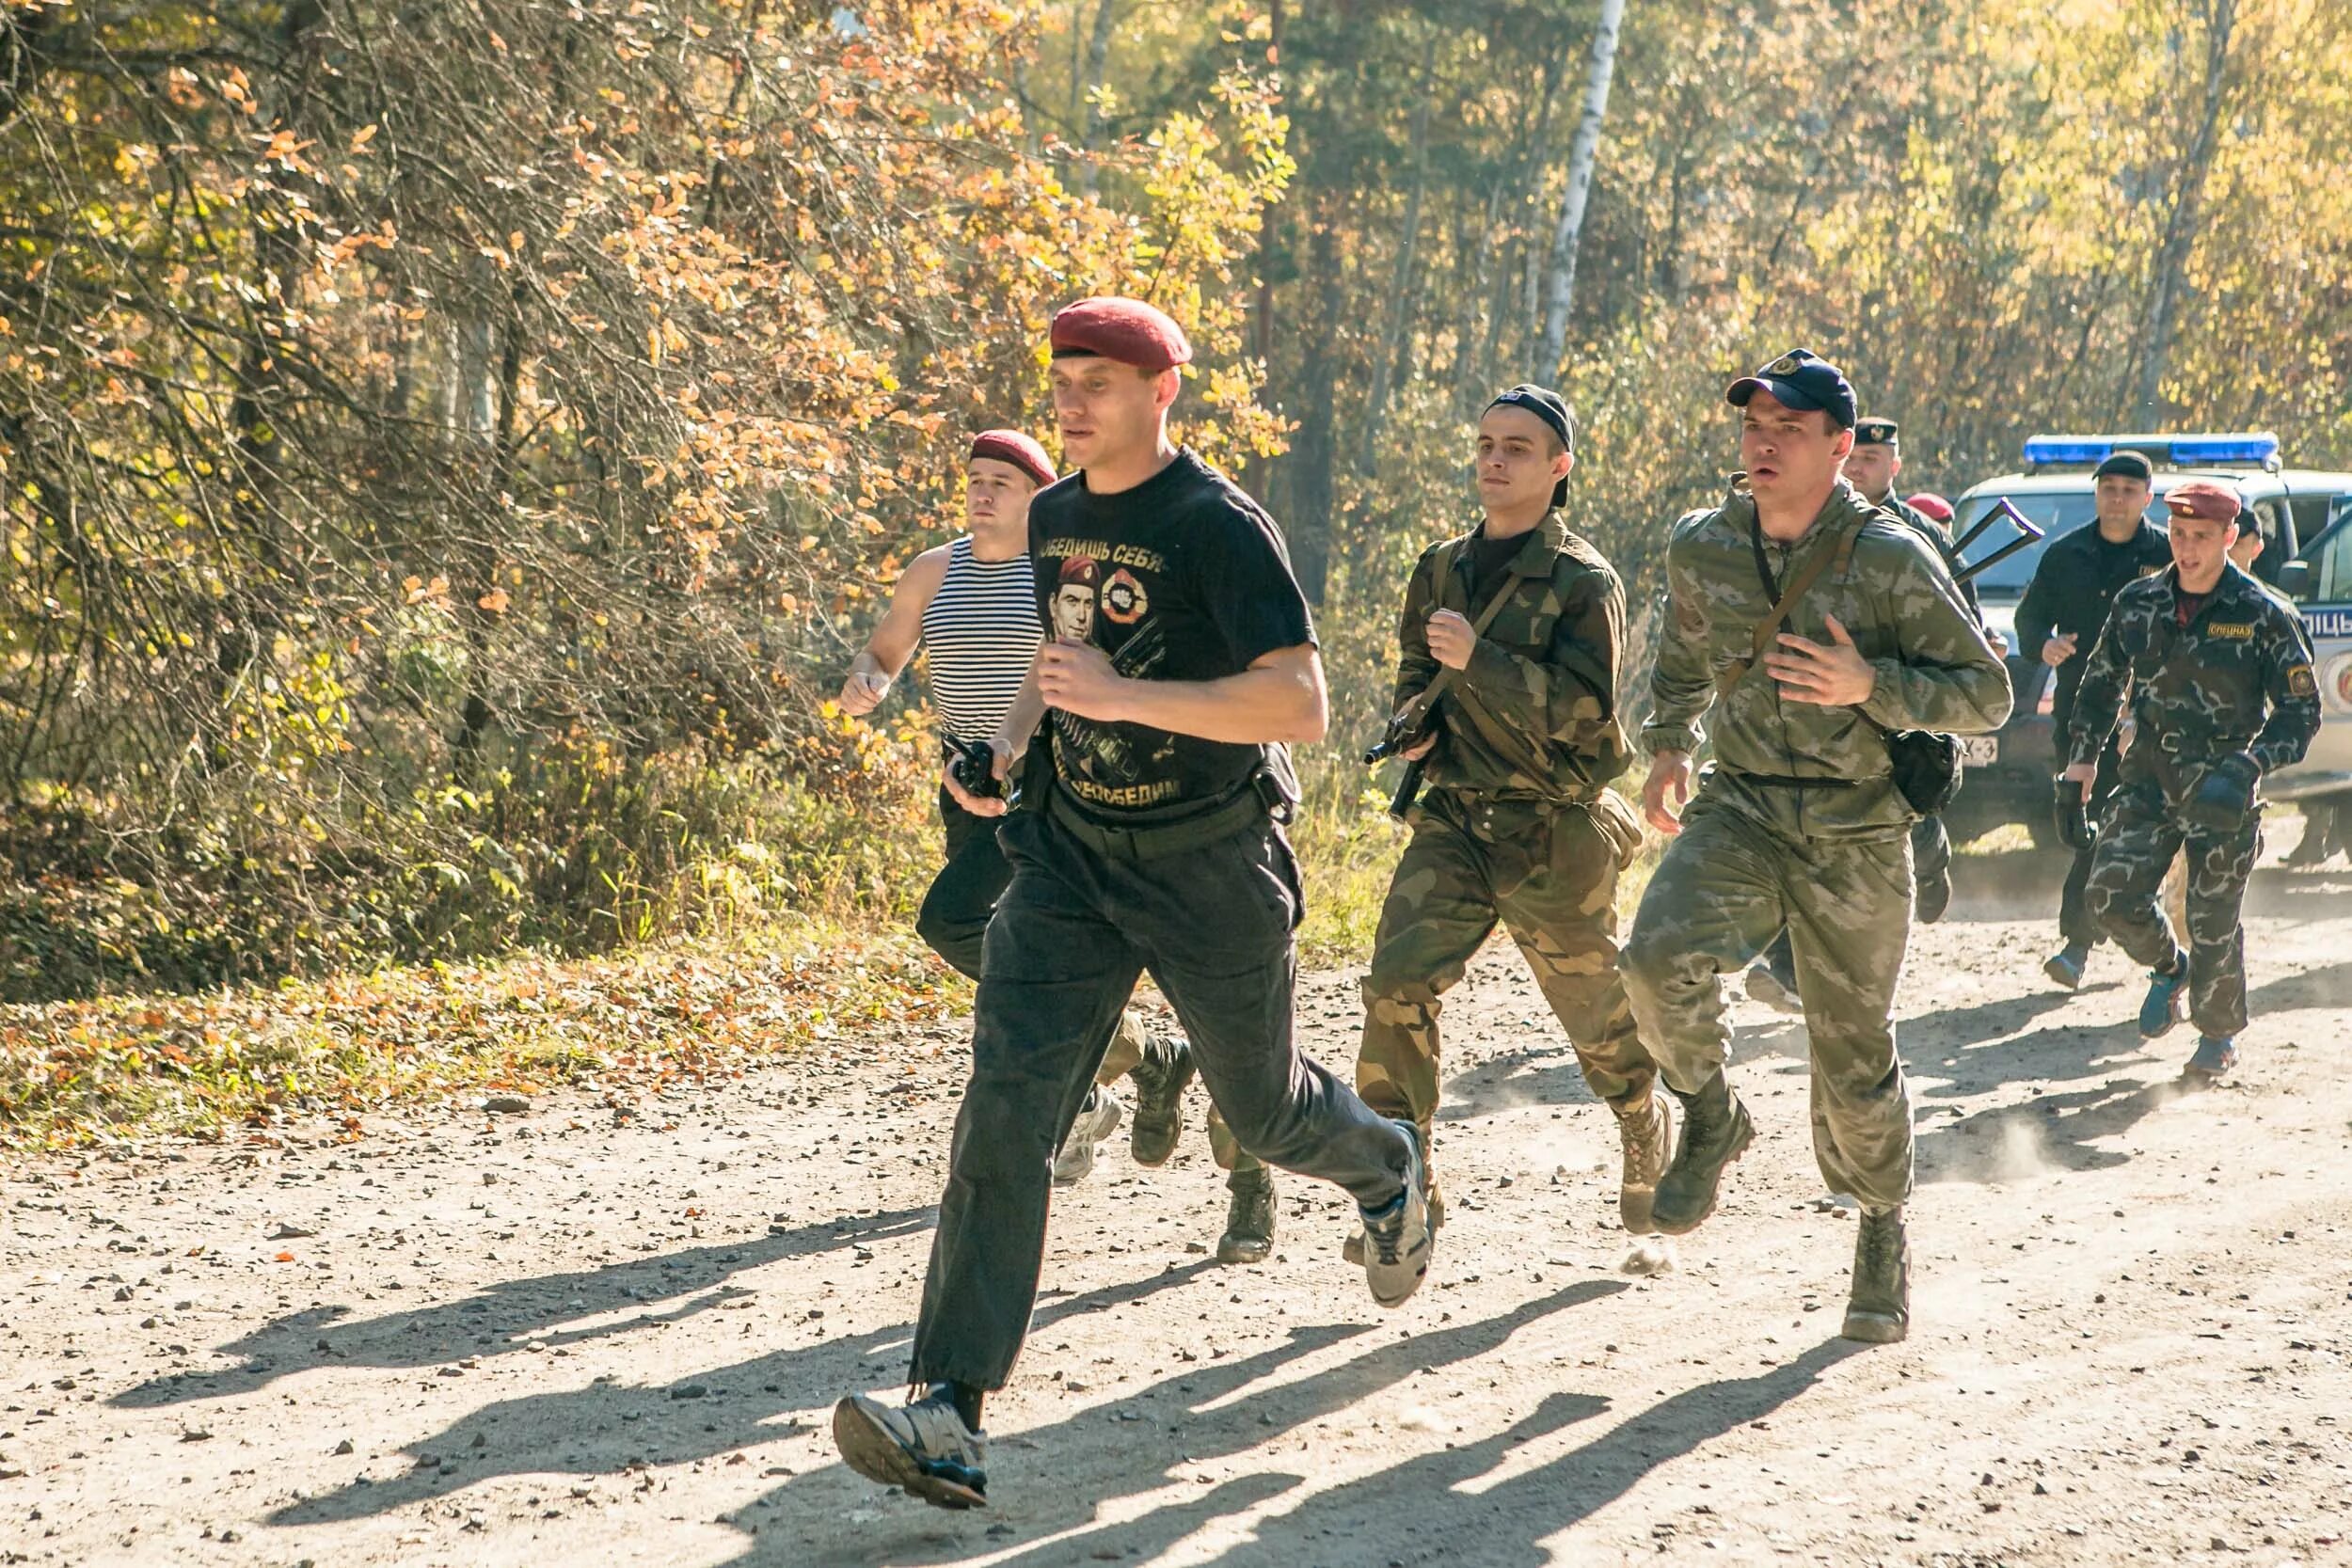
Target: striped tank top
(981, 632)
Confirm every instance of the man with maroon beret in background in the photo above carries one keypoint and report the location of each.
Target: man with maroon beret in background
(2218, 672)
(971, 604)
(1157, 844)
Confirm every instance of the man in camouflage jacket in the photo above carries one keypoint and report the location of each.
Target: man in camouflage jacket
(2218, 669)
(1800, 821)
(1518, 823)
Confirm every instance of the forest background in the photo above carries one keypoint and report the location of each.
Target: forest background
(453, 447)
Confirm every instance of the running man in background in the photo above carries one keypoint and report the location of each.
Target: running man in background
(971, 603)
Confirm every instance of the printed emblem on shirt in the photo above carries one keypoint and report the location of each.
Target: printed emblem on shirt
(1123, 598)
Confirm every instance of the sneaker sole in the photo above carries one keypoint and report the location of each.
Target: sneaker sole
(1875, 1328)
(874, 1454)
(1739, 1146)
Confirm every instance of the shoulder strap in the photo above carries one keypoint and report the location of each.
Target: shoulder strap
(1799, 586)
(1444, 677)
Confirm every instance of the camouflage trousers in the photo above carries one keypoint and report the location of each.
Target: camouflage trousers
(1725, 886)
(2135, 847)
(1550, 873)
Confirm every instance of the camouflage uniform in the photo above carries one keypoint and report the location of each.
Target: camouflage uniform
(1830, 856)
(1516, 823)
(2236, 679)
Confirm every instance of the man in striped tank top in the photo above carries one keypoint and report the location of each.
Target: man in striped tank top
(971, 604)
(1161, 718)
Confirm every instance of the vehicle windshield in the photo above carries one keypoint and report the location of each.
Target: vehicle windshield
(2056, 512)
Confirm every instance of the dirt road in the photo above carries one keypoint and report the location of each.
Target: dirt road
(562, 1338)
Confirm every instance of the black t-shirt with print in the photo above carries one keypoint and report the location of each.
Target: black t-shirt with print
(1182, 578)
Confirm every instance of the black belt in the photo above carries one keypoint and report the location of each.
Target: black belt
(1156, 841)
(1790, 781)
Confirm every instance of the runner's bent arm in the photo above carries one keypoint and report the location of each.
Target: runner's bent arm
(1278, 698)
(1681, 688)
(2099, 700)
(895, 639)
(1416, 666)
(1948, 677)
(1567, 697)
(2292, 693)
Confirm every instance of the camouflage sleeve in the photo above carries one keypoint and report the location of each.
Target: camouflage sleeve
(2294, 693)
(1416, 666)
(1680, 686)
(2099, 700)
(1947, 678)
(1566, 697)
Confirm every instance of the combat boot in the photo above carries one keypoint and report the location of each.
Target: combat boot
(1159, 1080)
(2164, 1005)
(1932, 896)
(1249, 1217)
(922, 1445)
(1878, 1311)
(1715, 1131)
(1645, 1142)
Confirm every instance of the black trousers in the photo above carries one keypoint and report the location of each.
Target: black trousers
(2078, 926)
(954, 918)
(1071, 935)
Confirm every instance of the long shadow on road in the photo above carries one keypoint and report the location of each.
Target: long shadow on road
(613, 1427)
(1195, 1418)
(493, 1321)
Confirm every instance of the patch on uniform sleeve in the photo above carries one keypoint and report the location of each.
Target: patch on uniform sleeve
(2301, 682)
(2239, 629)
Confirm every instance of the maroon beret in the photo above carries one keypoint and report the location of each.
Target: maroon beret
(1011, 446)
(1126, 330)
(2203, 498)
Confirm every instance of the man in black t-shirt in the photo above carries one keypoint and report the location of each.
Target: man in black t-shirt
(1167, 700)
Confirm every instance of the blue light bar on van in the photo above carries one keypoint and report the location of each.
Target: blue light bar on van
(2041, 449)
(2190, 451)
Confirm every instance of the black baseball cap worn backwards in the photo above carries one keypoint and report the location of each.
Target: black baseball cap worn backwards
(1799, 379)
(1550, 407)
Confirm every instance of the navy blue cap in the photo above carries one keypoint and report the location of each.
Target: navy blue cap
(2131, 465)
(1550, 407)
(1799, 379)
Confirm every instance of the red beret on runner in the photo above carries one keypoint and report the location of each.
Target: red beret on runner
(1126, 330)
(1929, 504)
(2204, 498)
(1011, 446)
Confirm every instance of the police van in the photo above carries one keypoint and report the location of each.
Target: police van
(2307, 530)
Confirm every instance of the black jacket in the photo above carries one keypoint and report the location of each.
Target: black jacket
(2074, 588)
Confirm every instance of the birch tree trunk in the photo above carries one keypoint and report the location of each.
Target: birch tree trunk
(1560, 285)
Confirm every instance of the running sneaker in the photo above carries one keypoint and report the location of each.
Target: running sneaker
(922, 1445)
(1097, 1121)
